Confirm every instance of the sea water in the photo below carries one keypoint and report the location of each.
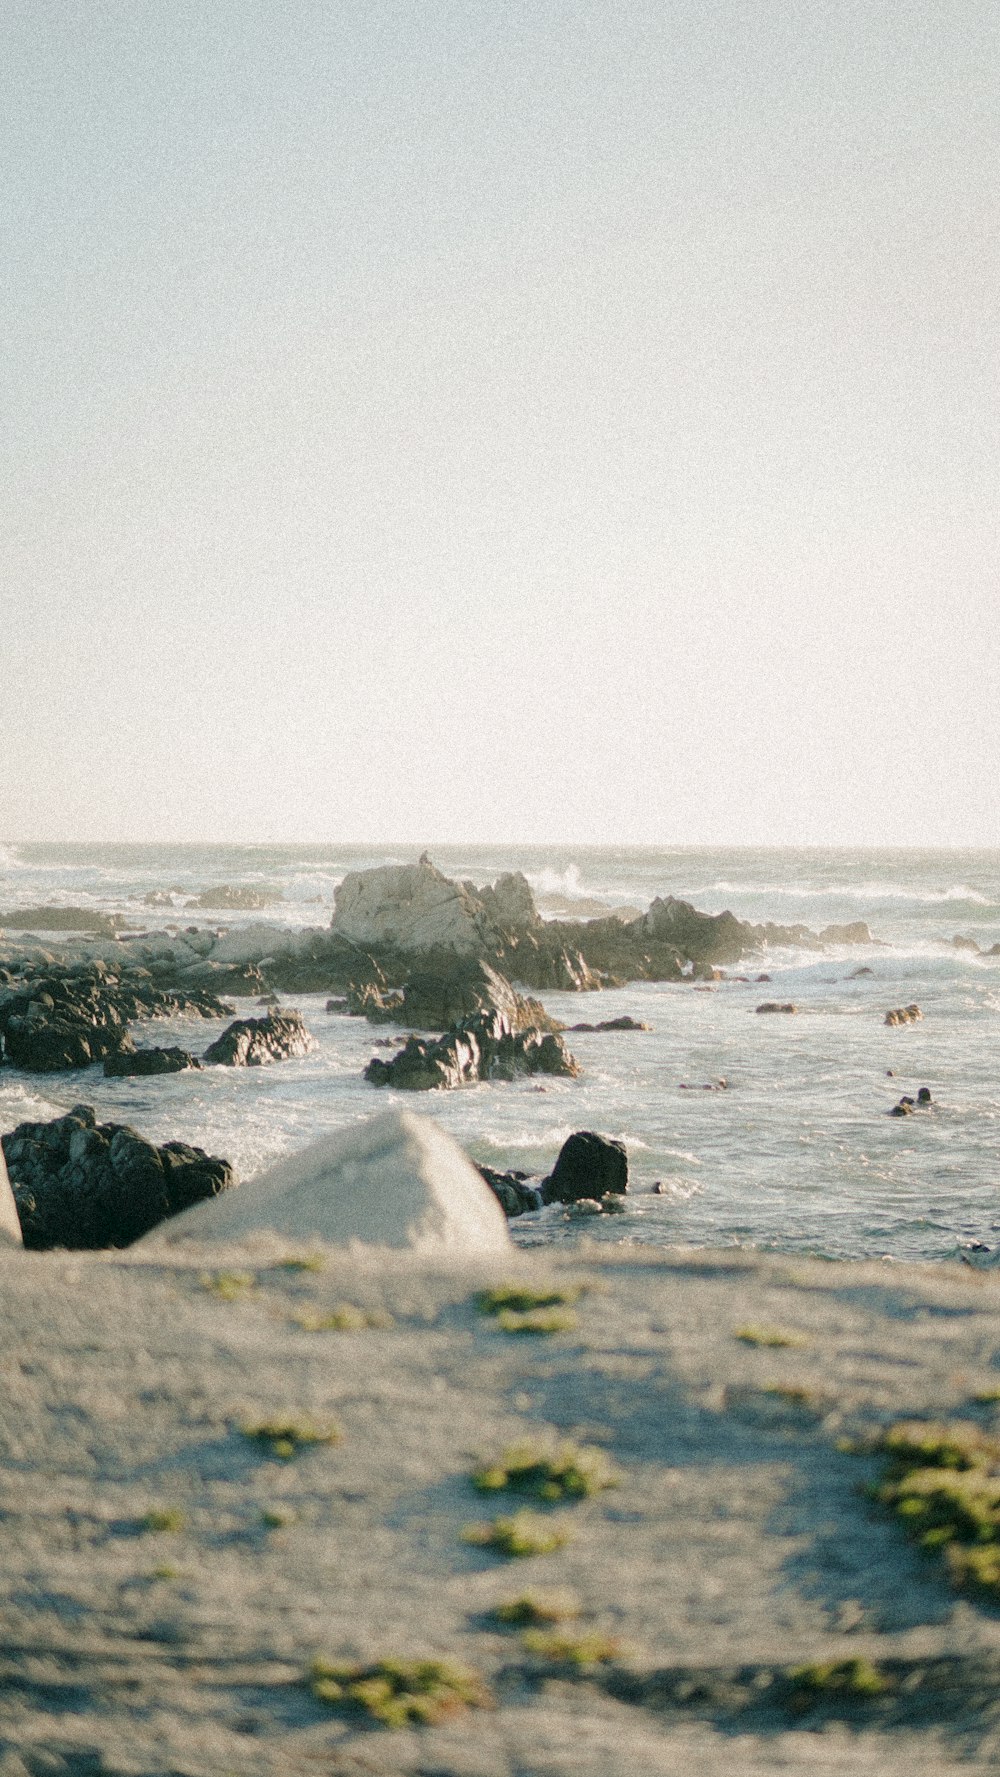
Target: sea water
(796, 1153)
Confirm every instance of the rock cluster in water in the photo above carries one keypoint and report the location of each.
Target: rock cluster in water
(590, 1168)
(83, 1184)
(79, 1013)
(483, 1047)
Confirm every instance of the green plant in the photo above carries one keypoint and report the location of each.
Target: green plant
(563, 1471)
(397, 1692)
(519, 1298)
(540, 1320)
(769, 1336)
(942, 1481)
(857, 1678)
(573, 1650)
(303, 1262)
(286, 1437)
(530, 1609)
(229, 1286)
(344, 1318)
(165, 1518)
(525, 1533)
(277, 1517)
(167, 1572)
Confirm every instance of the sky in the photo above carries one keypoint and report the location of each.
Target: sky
(500, 422)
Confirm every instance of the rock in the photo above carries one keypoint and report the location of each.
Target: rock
(142, 1062)
(856, 974)
(623, 1023)
(856, 932)
(337, 1005)
(483, 1047)
(721, 1085)
(81, 1184)
(253, 1042)
(53, 1020)
(777, 1006)
(903, 1109)
(433, 1001)
(966, 944)
(236, 899)
(379, 1005)
(924, 1096)
(10, 1227)
(397, 1181)
(904, 1015)
(514, 1192)
(589, 1166)
(64, 919)
(412, 908)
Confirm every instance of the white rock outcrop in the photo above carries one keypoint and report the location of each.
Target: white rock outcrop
(10, 1227)
(410, 906)
(397, 1180)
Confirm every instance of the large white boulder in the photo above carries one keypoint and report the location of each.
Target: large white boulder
(411, 907)
(398, 1180)
(10, 1227)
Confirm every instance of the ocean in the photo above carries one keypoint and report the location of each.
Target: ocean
(797, 1154)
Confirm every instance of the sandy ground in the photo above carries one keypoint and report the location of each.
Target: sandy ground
(739, 1543)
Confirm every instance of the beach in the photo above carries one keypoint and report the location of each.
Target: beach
(168, 1581)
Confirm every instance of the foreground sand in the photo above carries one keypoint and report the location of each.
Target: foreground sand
(740, 1541)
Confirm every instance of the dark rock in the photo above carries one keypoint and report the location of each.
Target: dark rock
(433, 1001)
(378, 1004)
(253, 1042)
(50, 1020)
(149, 1061)
(856, 974)
(337, 1005)
(483, 1047)
(777, 1006)
(623, 1023)
(705, 1086)
(924, 1095)
(515, 1193)
(903, 1109)
(589, 1165)
(81, 1184)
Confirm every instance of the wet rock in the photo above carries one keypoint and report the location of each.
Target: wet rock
(64, 919)
(339, 1004)
(903, 1109)
(236, 898)
(623, 1023)
(143, 1062)
(378, 1004)
(514, 1191)
(589, 1166)
(254, 1042)
(483, 1047)
(856, 932)
(777, 1006)
(924, 1096)
(54, 1020)
(904, 1015)
(439, 1001)
(81, 1184)
(856, 974)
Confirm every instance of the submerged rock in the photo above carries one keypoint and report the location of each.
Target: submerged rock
(253, 1042)
(142, 1062)
(623, 1023)
(904, 1015)
(483, 1047)
(82, 1184)
(397, 1180)
(777, 1006)
(70, 1018)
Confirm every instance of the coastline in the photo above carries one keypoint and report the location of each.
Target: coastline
(739, 1539)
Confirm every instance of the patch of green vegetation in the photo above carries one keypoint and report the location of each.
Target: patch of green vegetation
(525, 1533)
(540, 1320)
(398, 1692)
(942, 1481)
(165, 1518)
(167, 1572)
(562, 1471)
(857, 1678)
(531, 1609)
(284, 1438)
(344, 1318)
(518, 1298)
(303, 1262)
(987, 1397)
(769, 1336)
(573, 1650)
(229, 1286)
(278, 1517)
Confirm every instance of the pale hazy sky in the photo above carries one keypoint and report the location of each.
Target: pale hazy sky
(482, 421)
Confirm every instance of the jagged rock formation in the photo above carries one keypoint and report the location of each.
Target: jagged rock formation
(82, 1184)
(50, 1021)
(483, 1047)
(439, 999)
(253, 1042)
